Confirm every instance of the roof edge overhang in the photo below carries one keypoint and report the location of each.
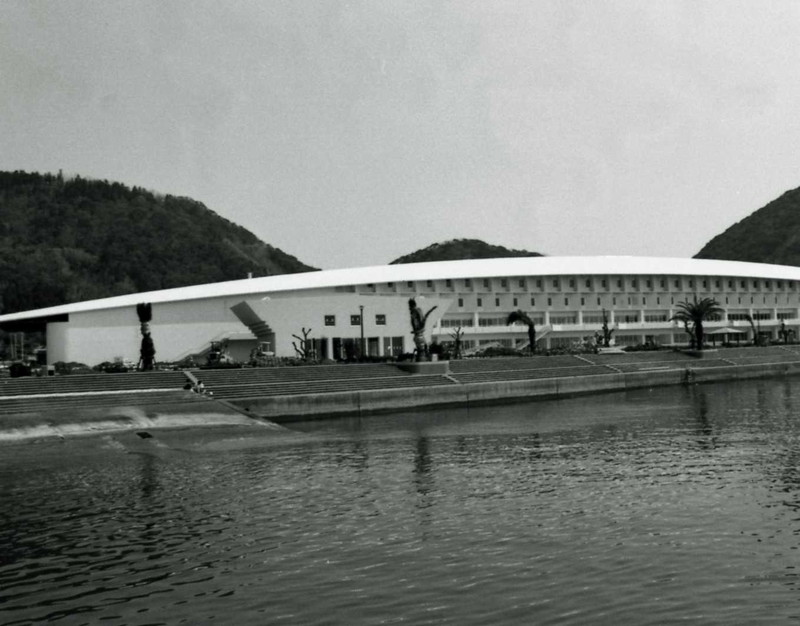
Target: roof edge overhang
(32, 324)
(437, 270)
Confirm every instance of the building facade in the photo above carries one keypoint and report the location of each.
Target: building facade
(365, 310)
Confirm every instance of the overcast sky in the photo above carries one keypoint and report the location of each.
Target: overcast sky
(350, 133)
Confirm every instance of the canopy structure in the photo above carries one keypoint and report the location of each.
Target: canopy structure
(727, 331)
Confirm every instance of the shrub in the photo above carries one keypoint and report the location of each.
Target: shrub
(493, 351)
(116, 367)
(642, 347)
(73, 367)
(17, 370)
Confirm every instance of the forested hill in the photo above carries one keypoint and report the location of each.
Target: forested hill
(77, 239)
(770, 235)
(458, 249)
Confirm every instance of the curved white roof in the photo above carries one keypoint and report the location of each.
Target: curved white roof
(477, 268)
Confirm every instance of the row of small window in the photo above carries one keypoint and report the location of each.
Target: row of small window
(355, 320)
(620, 283)
(631, 300)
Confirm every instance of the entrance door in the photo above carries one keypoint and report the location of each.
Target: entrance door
(373, 347)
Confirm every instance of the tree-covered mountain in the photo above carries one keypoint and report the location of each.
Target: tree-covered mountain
(770, 235)
(458, 249)
(77, 239)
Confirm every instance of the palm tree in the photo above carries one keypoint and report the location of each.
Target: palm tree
(523, 318)
(756, 330)
(695, 313)
(147, 352)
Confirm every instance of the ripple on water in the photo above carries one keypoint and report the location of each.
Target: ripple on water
(650, 507)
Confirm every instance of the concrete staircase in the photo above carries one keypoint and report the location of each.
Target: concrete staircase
(82, 391)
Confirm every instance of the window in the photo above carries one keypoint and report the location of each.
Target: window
(677, 284)
(627, 317)
(588, 283)
(583, 301)
(410, 284)
(533, 301)
(604, 283)
(619, 283)
(705, 284)
(742, 284)
(521, 283)
(330, 320)
(716, 284)
(461, 302)
(486, 283)
(730, 284)
(593, 317)
(539, 283)
(380, 320)
(468, 283)
(566, 301)
(572, 283)
(480, 301)
(515, 302)
(549, 302)
(663, 283)
(691, 283)
(497, 301)
(390, 285)
(635, 283)
(455, 323)
(555, 283)
(448, 283)
(504, 283)
(598, 302)
(429, 284)
(493, 321)
(355, 320)
(649, 283)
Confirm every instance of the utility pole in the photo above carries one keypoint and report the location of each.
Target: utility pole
(361, 319)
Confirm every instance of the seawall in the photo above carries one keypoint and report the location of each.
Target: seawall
(317, 406)
(126, 417)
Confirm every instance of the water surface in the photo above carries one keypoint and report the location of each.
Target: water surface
(673, 505)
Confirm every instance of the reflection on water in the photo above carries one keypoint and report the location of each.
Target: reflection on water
(649, 507)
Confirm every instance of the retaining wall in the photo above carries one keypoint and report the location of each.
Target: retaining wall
(311, 406)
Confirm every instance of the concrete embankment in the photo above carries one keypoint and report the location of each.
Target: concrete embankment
(311, 406)
(138, 417)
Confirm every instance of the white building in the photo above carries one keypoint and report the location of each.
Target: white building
(566, 296)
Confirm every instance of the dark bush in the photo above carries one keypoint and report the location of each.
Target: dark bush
(18, 370)
(642, 347)
(111, 368)
(73, 367)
